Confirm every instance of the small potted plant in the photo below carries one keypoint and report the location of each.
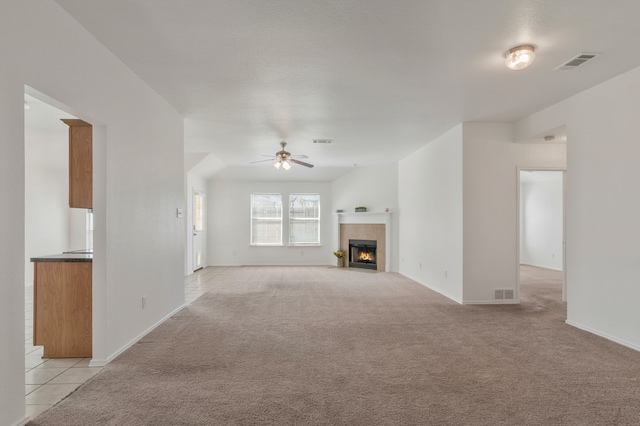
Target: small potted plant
(340, 257)
(361, 209)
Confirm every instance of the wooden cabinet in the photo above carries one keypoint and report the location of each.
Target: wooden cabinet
(62, 309)
(80, 163)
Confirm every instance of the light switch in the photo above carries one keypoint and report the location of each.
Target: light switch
(179, 213)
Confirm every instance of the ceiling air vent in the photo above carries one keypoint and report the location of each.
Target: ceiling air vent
(576, 61)
(322, 141)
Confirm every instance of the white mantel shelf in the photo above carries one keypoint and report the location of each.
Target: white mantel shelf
(362, 212)
(367, 218)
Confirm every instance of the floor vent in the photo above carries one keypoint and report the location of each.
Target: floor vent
(503, 294)
(576, 61)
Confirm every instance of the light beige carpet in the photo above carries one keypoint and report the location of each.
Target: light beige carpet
(328, 346)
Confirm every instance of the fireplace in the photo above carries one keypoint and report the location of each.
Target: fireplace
(362, 254)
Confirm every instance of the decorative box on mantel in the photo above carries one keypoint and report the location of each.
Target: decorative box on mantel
(364, 218)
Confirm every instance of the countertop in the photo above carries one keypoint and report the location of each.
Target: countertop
(65, 257)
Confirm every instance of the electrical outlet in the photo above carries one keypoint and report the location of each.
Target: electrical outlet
(301, 252)
(420, 265)
(144, 302)
(446, 274)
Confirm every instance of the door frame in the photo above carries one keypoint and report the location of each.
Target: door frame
(564, 223)
(194, 267)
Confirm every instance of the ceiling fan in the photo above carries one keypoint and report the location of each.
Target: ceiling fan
(284, 158)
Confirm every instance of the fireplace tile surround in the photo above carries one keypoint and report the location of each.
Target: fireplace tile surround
(366, 226)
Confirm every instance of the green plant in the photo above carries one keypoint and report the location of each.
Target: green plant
(339, 254)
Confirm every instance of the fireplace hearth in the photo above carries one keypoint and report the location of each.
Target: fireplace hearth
(362, 254)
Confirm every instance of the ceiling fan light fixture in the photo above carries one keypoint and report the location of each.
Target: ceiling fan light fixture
(519, 57)
(286, 165)
(278, 164)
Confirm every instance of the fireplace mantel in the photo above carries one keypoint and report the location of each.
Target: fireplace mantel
(367, 218)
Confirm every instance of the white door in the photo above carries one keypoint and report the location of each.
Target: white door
(198, 229)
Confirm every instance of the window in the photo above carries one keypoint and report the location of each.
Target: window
(266, 219)
(304, 219)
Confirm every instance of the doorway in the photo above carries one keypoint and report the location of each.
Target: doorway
(198, 229)
(541, 225)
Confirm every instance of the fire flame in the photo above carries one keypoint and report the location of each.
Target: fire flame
(366, 256)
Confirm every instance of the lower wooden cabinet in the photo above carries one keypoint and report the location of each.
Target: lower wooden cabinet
(62, 309)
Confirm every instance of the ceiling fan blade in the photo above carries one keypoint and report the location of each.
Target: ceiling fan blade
(300, 156)
(302, 163)
(262, 161)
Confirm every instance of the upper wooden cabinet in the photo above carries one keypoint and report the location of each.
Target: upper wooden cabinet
(80, 164)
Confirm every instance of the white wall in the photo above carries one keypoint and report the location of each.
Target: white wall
(373, 187)
(194, 183)
(12, 246)
(430, 214)
(602, 205)
(46, 208)
(229, 222)
(491, 159)
(138, 183)
(541, 224)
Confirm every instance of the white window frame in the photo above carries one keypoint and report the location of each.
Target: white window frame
(267, 219)
(315, 219)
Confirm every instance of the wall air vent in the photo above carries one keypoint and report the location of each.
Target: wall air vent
(503, 294)
(576, 61)
(322, 141)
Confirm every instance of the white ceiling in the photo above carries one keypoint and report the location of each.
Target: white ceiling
(379, 77)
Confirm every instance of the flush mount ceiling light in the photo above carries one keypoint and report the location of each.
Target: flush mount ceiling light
(519, 57)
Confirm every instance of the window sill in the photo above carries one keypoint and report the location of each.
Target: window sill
(305, 245)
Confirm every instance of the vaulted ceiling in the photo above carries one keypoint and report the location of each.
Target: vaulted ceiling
(380, 78)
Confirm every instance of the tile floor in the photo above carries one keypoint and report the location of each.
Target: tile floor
(48, 381)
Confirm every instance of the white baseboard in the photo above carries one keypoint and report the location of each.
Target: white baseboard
(604, 335)
(541, 266)
(22, 421)
(455, 299)
(102, 363)
(490, 302)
